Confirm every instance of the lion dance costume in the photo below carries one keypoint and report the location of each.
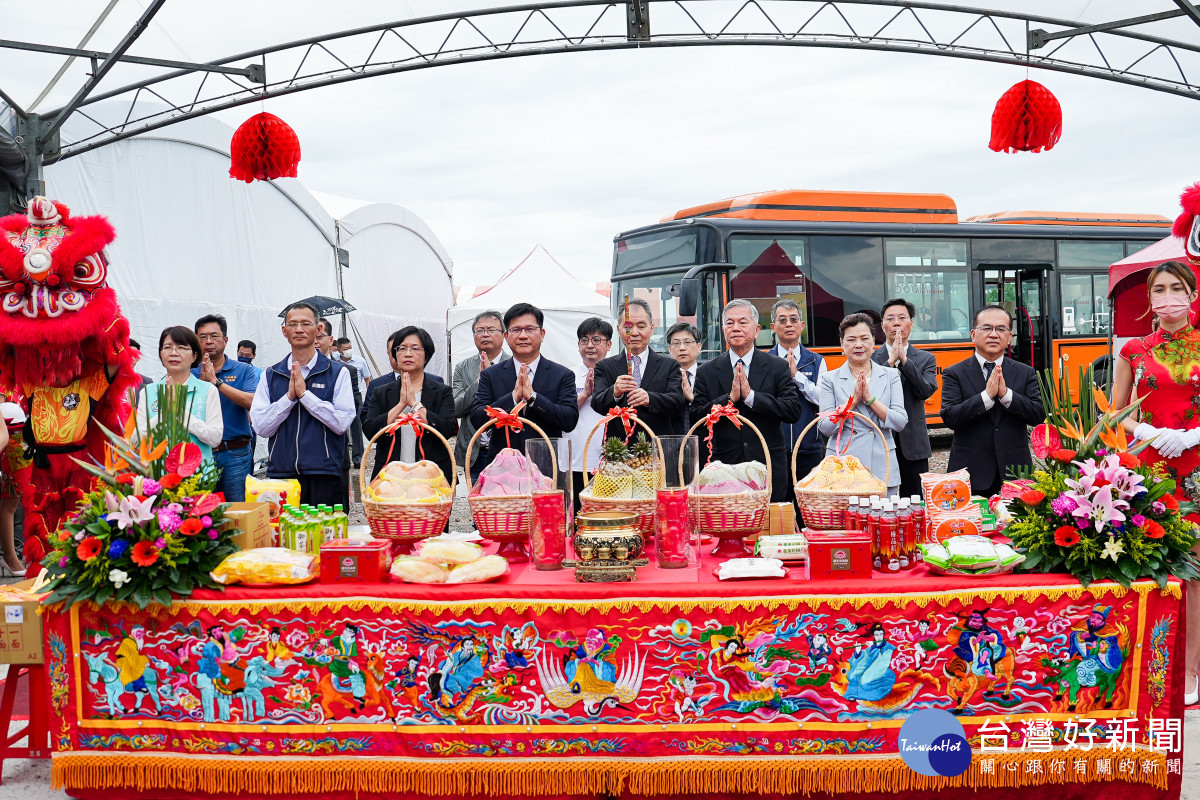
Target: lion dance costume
(64, 351)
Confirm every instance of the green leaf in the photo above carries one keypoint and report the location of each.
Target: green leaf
(1032, 559)
(1129, 569)
(162, 597)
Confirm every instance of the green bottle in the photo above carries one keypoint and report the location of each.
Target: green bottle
(342, 520)
(329, 529)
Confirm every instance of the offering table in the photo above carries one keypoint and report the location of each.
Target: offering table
(676, 684)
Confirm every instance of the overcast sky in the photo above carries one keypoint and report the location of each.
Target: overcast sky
(568, 150)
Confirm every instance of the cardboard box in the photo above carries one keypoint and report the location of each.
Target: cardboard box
(782, 519)
(253, 523)
(21, 629)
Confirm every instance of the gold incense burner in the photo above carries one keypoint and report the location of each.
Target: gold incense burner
(608, 547)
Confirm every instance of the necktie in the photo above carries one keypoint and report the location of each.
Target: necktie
(637, 370)
(687, 376)
(988, 366)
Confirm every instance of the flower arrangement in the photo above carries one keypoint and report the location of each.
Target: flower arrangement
(151, 528)
(1091, 507)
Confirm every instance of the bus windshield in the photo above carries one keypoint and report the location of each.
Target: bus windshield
(671, 248)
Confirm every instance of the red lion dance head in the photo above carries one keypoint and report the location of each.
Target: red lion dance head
(64, 350)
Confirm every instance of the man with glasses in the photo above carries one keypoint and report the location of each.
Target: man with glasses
(760, 387)
(639, 378)
(488, 330)
(546, 388)
(806, 368)
(683, 340)
(989, 401)
(918, 378)
(305, 405)
(595, 339)
(236, 382)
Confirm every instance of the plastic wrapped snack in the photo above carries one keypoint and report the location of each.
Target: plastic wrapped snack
(972, 552)
(276, 491)
(266, 566)
(971, 555)
(485, 569)
(742, 568)
(448, 551)
(413, 570)
(945, 525)
(401, 482)
(508, 474)
(719, 478)
(844, 475)
(936, 555)
(949, 491)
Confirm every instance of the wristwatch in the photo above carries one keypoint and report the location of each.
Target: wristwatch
(532, 398)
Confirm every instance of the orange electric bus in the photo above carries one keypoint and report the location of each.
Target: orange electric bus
(835, 253)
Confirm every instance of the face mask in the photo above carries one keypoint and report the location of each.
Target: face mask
(347, 355)
(1171, 307)
(245, 359)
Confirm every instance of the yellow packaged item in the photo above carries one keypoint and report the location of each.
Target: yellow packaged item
(276, 491)
(843, 475)
(266, 566)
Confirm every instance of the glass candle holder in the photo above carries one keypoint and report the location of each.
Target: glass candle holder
(550, 468)
(677, 543)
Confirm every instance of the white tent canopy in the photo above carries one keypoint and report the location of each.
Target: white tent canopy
(541, 280)
(192, 241)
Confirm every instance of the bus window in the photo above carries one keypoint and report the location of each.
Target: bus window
(1089, 254)
(932, 275)
(650, 289)
(670, 248)
(847, 276)
(1133, 247)
(769, 268)
(1084, 303)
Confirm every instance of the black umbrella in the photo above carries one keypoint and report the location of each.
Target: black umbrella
(326, 305)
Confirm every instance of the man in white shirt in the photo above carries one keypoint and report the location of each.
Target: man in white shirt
(595, 339)
(807, 367)
(304, 405)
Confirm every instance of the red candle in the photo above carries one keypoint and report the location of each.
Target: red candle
(674, 528)
(548, 537)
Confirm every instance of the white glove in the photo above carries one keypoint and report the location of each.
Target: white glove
(1191, 439)
(1167, 441)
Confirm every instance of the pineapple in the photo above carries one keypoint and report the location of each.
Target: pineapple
(641, 455)
(610, 481)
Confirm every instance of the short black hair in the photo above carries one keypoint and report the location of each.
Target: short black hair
(301, 304)
(326, 326)
(594, 325)
(899, 301)
(180, 334)
(247, 343)
(683, 327)
(422, 335)
(489, 314)
(992, 307)
(134, 344)
(520, 310)
(852, 320)
(209, 319)
(341, 341)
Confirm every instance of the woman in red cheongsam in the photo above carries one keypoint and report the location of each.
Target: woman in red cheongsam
(1164, 368)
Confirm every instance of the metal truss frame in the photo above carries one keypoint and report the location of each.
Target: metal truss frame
(1112, 51)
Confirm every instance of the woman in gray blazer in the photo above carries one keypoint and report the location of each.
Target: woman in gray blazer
(877, 395)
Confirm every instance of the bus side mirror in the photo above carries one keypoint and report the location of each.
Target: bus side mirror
(689, 297)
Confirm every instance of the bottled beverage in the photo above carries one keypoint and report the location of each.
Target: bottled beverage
(889, 540)
(284, 526)
(873, 533)
(342, 520)
(301, 538)
(918, 508)
(329, 527)
(907, 533)
(851, 523)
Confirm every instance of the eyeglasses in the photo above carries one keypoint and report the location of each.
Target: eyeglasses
(529, 330)
(594, 340)
(304, 325)
(987, 329)
(897, 318)
(176, 348)
(682, 343)
(415, 349)
(210, 337)
(486, 331)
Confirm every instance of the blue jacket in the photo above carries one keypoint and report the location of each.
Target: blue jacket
(303, 445)
(809, 364)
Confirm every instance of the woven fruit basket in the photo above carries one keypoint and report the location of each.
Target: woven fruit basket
(506, 519)
(731, 517)
(825, 509)
(602, 486)
(404, 524)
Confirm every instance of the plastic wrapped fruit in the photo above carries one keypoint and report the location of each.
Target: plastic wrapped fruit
(842, 474)
(400, 482)
(626, 471)
(720, 478)
(508, 474)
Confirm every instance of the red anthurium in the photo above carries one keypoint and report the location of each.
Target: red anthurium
(1031, 497)
(1011, 490)
(184, 459)
(1044, 440)
(205, 505)
(1066, 536)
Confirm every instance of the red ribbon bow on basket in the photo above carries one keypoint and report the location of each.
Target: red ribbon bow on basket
(841, 417)
(627, 415)
(415, 422)
(507, 420)
(717, 412)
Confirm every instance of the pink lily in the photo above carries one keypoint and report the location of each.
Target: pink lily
(1101, 508)
(1128, 483)
(133, 512)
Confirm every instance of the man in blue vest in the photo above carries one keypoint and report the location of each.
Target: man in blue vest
(807, 367)
(305, 405)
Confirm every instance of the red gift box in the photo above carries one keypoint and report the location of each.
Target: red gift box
(840, 555)
(355, 561)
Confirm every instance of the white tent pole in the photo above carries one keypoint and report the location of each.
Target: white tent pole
(87, 37)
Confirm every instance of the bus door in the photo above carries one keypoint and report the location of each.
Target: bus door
(1021, 289)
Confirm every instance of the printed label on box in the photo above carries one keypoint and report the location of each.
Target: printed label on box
(840, 559)
(14, 615)
(349, 567)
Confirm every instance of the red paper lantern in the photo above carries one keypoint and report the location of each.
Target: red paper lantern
(1027, 118)
(264, 148)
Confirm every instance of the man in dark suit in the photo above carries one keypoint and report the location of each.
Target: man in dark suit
(547, 388)
(989, 401)
(654, 388)
(760, 387)
(918, 378)
(806, 368)
(683, 339)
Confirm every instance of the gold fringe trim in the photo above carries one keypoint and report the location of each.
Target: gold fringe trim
(804, 775)
(875, 600)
